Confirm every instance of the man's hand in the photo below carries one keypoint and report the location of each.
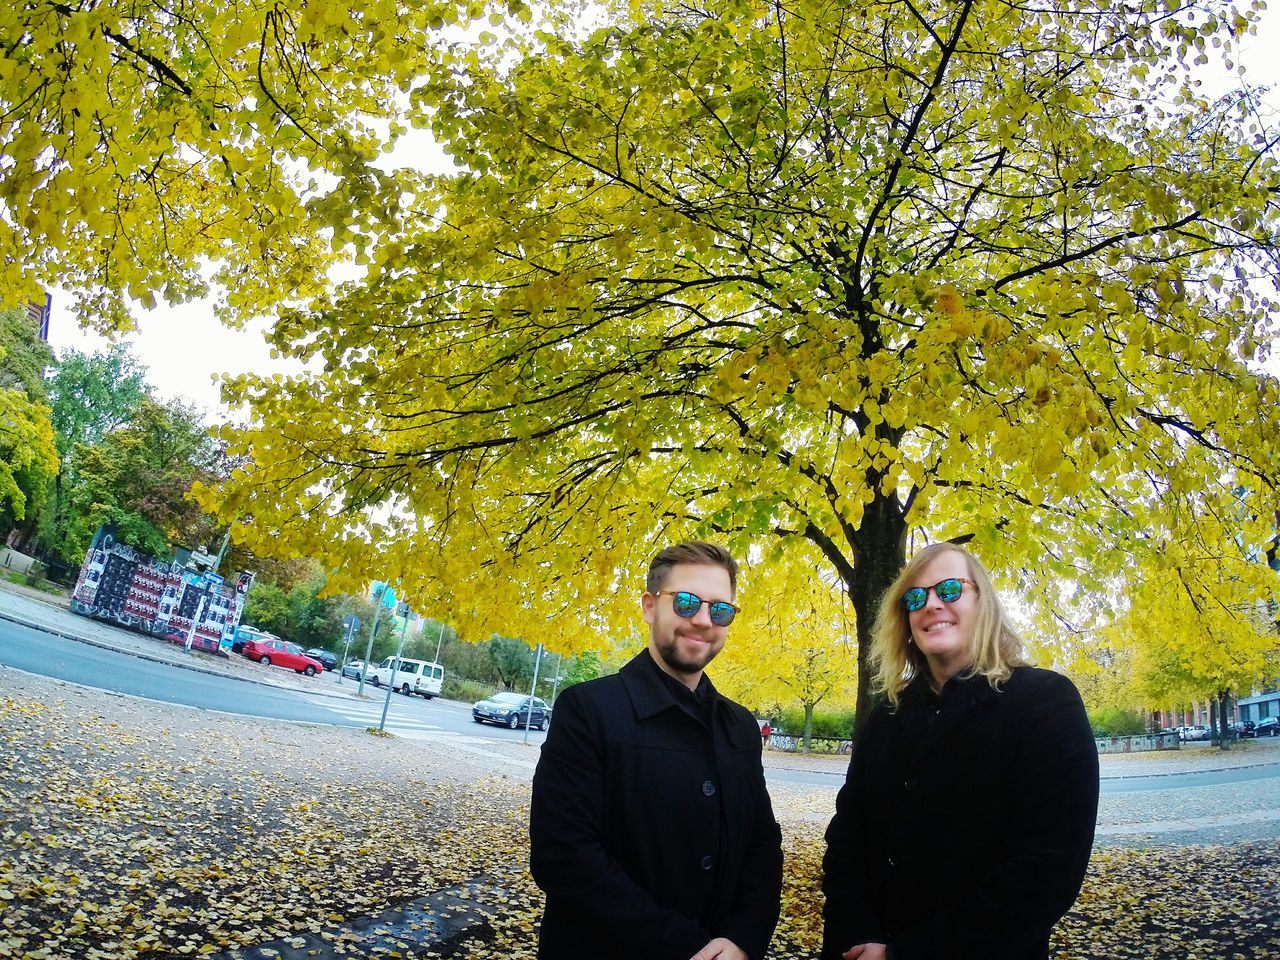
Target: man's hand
(722, 949)
(865, 951)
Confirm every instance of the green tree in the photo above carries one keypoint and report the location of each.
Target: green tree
(28, 455)
(267, 607)
(853, 277)
(138, 478)
(90, 395)
(580, 667)
(511, 660)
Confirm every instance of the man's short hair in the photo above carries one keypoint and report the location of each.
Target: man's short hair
(695, 552)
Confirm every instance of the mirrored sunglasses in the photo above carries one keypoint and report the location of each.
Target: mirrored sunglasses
(948, 591)
(686, 605)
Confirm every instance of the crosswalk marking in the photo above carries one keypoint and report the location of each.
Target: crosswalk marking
(413, 728)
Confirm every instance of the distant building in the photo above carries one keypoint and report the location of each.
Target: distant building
(39, 314)
(1259, 706)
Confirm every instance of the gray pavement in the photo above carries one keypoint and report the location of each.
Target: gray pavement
(52, 614)
(1196, 795)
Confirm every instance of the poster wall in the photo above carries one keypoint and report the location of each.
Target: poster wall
(122, 585)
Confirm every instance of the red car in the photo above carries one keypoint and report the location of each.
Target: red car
(281, 653)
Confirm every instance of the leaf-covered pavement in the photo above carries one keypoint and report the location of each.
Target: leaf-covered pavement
(130, 829)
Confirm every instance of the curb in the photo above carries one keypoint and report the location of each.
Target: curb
(1183, 773)
(142, 655)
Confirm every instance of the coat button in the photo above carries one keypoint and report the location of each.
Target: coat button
(708, 788)
(706, 862)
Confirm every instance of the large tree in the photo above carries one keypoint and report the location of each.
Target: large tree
(89, 395)
(138, 478)
(144, 140)
(840, 276)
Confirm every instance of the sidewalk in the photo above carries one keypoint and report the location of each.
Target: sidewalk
(43, 611)
(34, 608)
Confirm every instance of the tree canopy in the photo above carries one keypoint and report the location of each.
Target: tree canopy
(28, 455)
(137, 478)
(89, 395)
(822, 279)
(143, 141)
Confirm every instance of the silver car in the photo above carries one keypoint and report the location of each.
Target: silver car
(353, 669)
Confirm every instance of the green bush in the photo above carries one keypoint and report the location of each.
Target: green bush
(467, 691)
(1115, 722)
(826, 723)
(35, 573)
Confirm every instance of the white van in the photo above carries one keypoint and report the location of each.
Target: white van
(411, 676)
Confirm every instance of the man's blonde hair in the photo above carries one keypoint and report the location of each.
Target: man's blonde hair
(896, 660)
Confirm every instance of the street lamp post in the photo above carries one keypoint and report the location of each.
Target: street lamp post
(439, 641)
(528, 714)
(378, 591)
(556, 685)
(352, 623)
(403, 610)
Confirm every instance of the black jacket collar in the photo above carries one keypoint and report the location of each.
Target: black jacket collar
(959, 696)
(649, 694)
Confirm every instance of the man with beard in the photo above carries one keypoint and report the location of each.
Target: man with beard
(651, 831)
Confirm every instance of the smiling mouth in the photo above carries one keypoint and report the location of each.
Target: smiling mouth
(941, 625)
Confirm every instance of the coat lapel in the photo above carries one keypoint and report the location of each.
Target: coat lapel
(961, 697)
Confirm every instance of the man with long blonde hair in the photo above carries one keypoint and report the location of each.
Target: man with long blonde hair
(966, 821)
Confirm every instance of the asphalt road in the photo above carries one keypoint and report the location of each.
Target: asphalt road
(36, 651)
(43, 653)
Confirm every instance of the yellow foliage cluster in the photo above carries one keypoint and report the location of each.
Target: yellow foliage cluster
(856, 282)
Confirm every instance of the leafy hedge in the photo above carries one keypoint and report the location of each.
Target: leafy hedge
(466, 691)
(826, 723)
(1115, 722)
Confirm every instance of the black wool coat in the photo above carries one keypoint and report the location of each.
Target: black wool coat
(965, 824)
(651, 833)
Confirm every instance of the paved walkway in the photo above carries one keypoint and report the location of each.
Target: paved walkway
(44, 611)
(1178, 815)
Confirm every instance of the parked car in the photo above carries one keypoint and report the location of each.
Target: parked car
(512, 710)
(1194, 732)
(328, 660)
(408, 676)
(282, 653)
(244, 633)
(353, 669)
(1267, 727)
(1245, 728)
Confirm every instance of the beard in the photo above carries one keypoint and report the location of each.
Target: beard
(670, 653)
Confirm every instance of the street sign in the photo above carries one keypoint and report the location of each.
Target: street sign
(203, 559)
(213, 579)
(351, 623)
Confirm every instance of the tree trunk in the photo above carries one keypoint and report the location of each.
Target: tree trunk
(880, 552)
(808, 726)
(1225, 742)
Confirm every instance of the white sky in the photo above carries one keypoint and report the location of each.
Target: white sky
(185, 347)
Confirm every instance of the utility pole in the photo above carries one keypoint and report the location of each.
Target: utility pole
(556, 685)
(439, 640)
(403, 610)
(378, 591)
(222, 550)
(528, 714)
(352, 623)
(195, 621)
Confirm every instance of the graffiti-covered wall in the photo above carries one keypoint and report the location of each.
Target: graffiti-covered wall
(122, 585)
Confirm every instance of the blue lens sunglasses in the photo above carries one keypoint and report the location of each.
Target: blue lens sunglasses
(948, 591)
(686, 605)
